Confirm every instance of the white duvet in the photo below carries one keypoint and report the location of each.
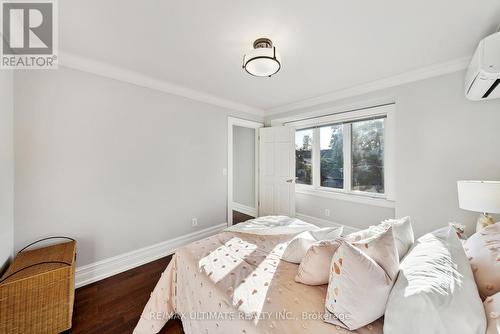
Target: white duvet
(272, 225)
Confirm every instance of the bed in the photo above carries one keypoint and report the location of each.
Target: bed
(236, 282)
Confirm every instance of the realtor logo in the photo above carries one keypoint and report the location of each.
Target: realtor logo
(29, 34)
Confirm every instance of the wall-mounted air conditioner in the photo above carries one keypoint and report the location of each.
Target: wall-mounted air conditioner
(482, 81)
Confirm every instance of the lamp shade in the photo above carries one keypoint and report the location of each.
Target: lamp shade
(479, 196)
(263, 60)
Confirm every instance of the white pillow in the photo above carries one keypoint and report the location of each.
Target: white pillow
(359, 285)
(403, 234)
(435, 292)
(402, 229)
(492, 309)
(298, 246)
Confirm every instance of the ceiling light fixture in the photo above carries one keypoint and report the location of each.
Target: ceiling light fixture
(263, 60)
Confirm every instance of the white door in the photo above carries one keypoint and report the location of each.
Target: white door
(277, 171)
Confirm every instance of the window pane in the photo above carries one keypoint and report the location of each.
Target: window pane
(332, 156)
(368, 156)
(303, 156)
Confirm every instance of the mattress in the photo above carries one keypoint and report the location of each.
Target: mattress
(235, 282)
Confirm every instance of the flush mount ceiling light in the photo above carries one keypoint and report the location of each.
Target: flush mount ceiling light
(263, 60)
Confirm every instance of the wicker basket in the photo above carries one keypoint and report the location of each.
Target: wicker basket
(38, 290)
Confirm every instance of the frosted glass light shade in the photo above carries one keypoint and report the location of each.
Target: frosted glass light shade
(479, 196)
(262, 62)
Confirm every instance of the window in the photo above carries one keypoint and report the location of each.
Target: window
(303, 156)
(332, 156)
(367, 140)
(345, 153)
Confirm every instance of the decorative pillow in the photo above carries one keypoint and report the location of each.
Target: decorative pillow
(298, 246)
(435, 290)
(483, 250)
(362, 234)
(402, 229)
(314, 268)
(381, 247)
(492, 309)
(403, 233)
(359, 286)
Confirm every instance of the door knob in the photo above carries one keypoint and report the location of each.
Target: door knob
(289, 180)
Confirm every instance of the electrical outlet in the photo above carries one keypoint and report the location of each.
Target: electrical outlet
(327, 212)
(194, 222)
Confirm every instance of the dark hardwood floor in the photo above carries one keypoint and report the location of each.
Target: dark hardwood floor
(239, 217)
(115, 304)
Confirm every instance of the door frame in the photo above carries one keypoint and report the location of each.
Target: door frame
(234, 121)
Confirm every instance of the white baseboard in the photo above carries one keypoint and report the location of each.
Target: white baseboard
(114, 265)
(325, 223)
(248, 210)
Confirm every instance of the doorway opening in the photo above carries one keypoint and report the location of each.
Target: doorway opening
(243, 170)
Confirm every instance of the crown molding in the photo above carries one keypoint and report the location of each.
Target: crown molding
(435, 70)
(107, 70)
(110, 71)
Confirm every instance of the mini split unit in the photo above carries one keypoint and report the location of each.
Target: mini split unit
(482, 81)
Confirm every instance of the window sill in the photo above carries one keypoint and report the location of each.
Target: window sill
(349, 197)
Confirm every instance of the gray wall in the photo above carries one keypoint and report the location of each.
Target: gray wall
(244, 166)
(118, 167)
(6, 168)
(440, 138)
(344, 212)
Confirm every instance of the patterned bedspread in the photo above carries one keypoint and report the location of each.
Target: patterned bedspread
(236, 283)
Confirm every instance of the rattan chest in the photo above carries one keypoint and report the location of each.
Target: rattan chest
(37, 291)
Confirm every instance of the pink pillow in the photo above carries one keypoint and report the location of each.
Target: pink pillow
(381, 247)
(314, 268)
(402, 229)
(359, 286)
(492, 310)
(483, 250)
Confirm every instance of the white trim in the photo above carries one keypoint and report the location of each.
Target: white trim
(248, 210)
(326, 223)
(338, 109)
(390, 154)
(110, 71)
(114, 265)
(233, 121)
(435, 70)
(343, 116)
(347, 150)
(316, 157)
(349, 197)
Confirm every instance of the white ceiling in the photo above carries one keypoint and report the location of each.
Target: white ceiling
(325, 45)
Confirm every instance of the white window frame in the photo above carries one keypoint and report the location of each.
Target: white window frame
(387, 199)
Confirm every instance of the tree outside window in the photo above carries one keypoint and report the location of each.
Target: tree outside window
(303, 156)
